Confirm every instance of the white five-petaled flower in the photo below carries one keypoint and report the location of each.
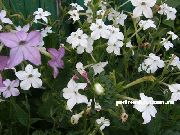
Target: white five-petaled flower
(102, 122)
(175, 89)
(168, 11)
(88, 48)
(145, 24)
(173, 35)
(167, 44)
(74, 14)
(77, 7)
(175, 62)
(117, 17)
(86, 2)
(25, 28)
(29, 77)
(9, 88)
(151, 64)
(143, 7)
(147, 109)
(40, 14)
(99, 67)
(99, 29)
(45, 31)
(71, 93)
(3, 17)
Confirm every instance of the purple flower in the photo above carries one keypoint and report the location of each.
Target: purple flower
(56, 61)
(3, 62)
(1, 81)
(23, 47)
(10, 88)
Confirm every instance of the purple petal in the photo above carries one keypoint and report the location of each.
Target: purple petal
(1, 81)
(61, 52)
(22, 36)
(14, 92)
(33, 38)
(15, 83)
(3, 62)
(32, 54)
(6, 94)
(60, 63)
(53, 65)
(9, 39)
(16, 57)
(53, 52)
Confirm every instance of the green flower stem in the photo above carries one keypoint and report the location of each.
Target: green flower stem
(93, 58)
(124, 4)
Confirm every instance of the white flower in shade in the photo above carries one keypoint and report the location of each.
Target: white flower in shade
(46, 31)
(175, 62)
(115, 48)
(77, 7)
(151, 64)
(168, 11)
(174, 36)
(40, 14)
(25, 28)
(102, 122)
(3, 17)
(117, 17)
(99, 67)
(98, 88)
(97, 107)
(146, 108)
(99, 29)
(167, 44)
(88, 48)
(9, 88)
(143, 7)
(115, 35)
(29, 77)
(71, 93)
(74, 14)
(75, 118)
(86, 2)
(146, 24)
(175, 89)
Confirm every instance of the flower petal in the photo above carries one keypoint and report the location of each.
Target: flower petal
(26, 84)
(36, 82)
(33, 38)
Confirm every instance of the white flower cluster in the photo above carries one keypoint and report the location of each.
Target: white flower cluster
(4, 19)
(151, 64)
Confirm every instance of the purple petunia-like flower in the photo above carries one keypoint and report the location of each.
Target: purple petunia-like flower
(56, 61)
(24, 46)
(3, 62)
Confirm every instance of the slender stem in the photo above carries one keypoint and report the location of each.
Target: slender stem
(124, 3)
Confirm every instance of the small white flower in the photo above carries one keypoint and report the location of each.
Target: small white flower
(29, 77)
(86, 2)
(45, 31)
(148, 110)
(40, 14)
(3, 17)
(115, 48)
(88, 49)
(97, 107)
(168, 11)
(77, 7)
(175, 89)
(74, 14)
(25, 28)
(151, 64)
(174, 36)
(99, 67)
(143, 7)
(99, 29)
(98, 88)
(71, 93)
(75, 118)
(167, 44)
(102, 122)
(175, 62)
(147, 24)
(9, 88)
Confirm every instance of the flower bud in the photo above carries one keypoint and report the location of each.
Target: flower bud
(98, 89)
(75, 118)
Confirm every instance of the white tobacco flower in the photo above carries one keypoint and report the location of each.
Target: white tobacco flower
(175, 89)
(173, 35)
(175, 62)
(77, 7)
(75, 118)
(143, 7)
(167, 44)
(146, 24)
(99, 29)
(29, 77)
(3, 17)
(46, 31)
(99, 67)
(102, 122)
(74, 14)
(97, 107)
(168, 11)
(86, 2)
(88, 48)
(71, 93)
(151, 64)
(40, 14)
(115, 48)
(9, 88)
(147, 109)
